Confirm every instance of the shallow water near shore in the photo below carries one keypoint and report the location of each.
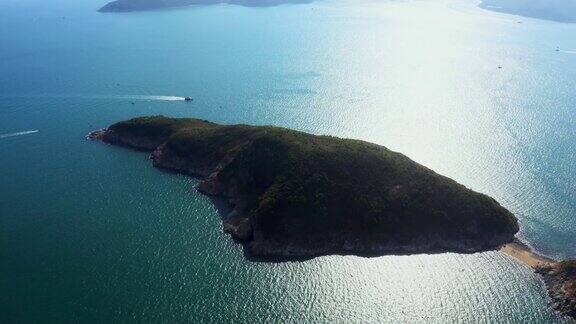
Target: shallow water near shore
(93, 233)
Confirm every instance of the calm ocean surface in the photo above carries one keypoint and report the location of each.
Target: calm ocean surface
(92, 233)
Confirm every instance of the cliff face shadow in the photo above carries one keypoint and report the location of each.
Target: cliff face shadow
(223, 208)
(252, 258)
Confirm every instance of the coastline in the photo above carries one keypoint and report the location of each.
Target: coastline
(558, 276)
(524, 254)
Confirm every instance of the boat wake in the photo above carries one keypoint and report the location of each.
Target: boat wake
(568, 52)
(105, 97)
(155, 98)
(18, 133)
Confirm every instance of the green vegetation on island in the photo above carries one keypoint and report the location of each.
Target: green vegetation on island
(293, 194)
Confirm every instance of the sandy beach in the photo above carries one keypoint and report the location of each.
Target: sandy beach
(526, 255)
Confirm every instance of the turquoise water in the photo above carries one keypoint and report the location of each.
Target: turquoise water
(92, 233)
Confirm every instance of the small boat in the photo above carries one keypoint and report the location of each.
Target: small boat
(188, 99)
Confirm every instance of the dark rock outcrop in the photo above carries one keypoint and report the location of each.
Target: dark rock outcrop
(292, 194)
(560, 279)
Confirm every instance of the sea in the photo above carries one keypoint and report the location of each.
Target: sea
(93, 233)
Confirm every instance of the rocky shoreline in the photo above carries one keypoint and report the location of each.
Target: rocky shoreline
(560, 279)
(143, 5)
(559, 276)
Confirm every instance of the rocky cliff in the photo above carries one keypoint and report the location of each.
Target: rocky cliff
(560, 280)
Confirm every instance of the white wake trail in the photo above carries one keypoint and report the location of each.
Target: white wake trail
(104, 97)
(156, 98)
(19, 133)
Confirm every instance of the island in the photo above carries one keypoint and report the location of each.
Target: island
(142, 5)
(291, 194)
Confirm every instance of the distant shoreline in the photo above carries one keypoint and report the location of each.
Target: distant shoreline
(551, 10)
(144, 5)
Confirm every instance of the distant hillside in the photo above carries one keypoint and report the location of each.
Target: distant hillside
(141, 5)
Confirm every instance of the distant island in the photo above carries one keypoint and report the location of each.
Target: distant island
(555, 10)
(292, 194)
(141, 5)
